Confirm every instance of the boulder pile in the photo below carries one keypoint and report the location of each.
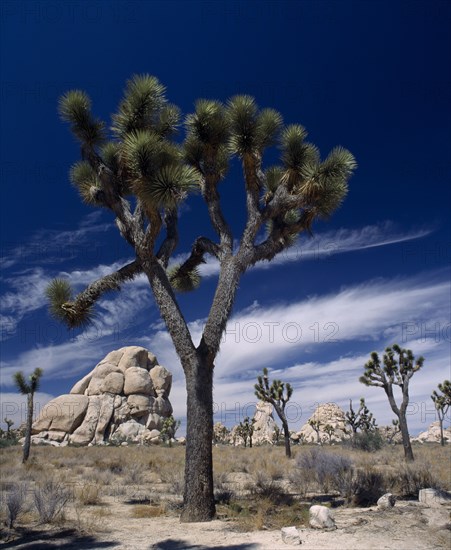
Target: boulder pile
(125, 398)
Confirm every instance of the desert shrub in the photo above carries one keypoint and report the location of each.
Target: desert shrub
(368, 441)
(50, 498)
(175, 480)
(327, 469)
(88, 494)
(134, 473)
(410, 478)
(265, 487)
(15, 503)
(366, 488)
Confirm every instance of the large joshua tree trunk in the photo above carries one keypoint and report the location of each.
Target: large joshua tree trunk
(27, 443)
(198, 495)
(401, 414)
(286, 433)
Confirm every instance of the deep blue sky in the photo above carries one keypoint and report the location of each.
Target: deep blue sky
(371, 76)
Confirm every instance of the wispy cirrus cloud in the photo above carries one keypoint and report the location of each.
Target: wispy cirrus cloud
(331, 243)
(51, 246)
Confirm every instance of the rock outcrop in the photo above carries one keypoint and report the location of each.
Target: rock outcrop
(432, 434)
(327, 414)
(124, 398)
(264, 425)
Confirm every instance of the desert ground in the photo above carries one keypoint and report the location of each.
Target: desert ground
(130, 497)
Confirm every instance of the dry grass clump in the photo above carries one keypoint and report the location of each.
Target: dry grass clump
(148, 511)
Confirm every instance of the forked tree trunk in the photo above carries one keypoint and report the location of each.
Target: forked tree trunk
(401, 414)
(198, 497)
(27, 443)
(286, 433)
(408, 453)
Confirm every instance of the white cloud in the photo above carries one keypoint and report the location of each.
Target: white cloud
(329, 244)
(50, 246)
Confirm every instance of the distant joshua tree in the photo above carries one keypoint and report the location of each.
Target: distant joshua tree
(275, 395)
(329, 430)
(362, 419)
(8, 423)
(316, 426)
(28, 389)
(398, 367)
(245, 430)
(170, 426)
(442, 404)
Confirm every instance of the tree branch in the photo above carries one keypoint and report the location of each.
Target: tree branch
(86, 299)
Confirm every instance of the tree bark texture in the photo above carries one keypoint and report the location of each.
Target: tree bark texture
(198, 497)
(27, 443)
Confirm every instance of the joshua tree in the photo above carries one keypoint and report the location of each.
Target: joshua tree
(170, 426)
(442, 404)
(398, 367)
(329, 430)
(141, 174)
(316, 426)
(361, 420)
(28, 389)
(245, 430)
(274, 394)
(220, 433)
(8, 423)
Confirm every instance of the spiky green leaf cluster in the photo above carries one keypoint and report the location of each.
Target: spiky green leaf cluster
(250, 129)
(33, 383)
(157, 175)
(75, 107)
(62, 308)
(183, 280)
(207, 131)
(141, 106)
(110, 153)
(169, 185)
(85, 179)
(322, 185)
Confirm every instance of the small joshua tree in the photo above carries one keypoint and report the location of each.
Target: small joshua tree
(399, 365)
(316, 426)
(28, 389)
(361, 420)
(245, 430)
(442, 404)
(278, 394)
(329, 430)
(8, 423)
(170, 426)
(220, 433)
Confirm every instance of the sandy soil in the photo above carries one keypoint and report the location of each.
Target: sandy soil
(409, 526)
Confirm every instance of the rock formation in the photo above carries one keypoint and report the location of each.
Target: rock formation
(265, 424)
(432, 434)
(327, 414)
(124, 398)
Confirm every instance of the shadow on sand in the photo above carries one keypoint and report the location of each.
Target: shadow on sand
(66, 539)
(173, 544)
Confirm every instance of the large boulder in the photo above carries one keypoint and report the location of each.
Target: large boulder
(124, 397)
(327, 414)
(137, 380)
(64, 413)
(320, 517)
(264, 426)
(432, 434)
